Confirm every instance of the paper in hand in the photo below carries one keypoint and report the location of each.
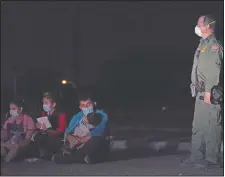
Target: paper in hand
(193, 90)
(44, 120)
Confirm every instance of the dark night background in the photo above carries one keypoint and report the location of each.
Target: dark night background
(136, 56)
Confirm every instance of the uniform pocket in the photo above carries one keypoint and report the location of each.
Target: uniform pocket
(215, 114)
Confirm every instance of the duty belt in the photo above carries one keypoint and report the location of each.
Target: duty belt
(201, 97)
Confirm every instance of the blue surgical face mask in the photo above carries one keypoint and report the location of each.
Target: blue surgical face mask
(46, 108)
(88, 110)
(14, 113)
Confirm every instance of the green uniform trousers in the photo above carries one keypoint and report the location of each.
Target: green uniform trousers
(206, 131)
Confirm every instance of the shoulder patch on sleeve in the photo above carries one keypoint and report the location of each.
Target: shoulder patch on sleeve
(215, 47)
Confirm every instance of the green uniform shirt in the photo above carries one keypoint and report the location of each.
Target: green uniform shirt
(207, 64)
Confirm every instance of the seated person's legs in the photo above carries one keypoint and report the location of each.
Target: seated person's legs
(12, 153)
(3, 150)
(40, 139)
(53, 145)
(28, 151)
(48, 145)
(9, 151)
(95, 150)
(91, 152)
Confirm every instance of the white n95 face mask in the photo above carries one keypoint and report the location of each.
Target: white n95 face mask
(198, 31)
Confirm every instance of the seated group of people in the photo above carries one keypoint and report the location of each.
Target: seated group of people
(84, 140)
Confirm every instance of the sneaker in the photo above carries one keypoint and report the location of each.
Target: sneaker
(187, 162)
(210, 165)
(200, 165)
(32, 160)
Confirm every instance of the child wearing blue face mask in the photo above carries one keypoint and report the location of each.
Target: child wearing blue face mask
(49, 140)
(17, 132)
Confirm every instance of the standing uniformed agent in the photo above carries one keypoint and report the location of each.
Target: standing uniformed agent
(206, 127)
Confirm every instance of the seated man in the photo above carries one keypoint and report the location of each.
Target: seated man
(95, 144)
(83, 130)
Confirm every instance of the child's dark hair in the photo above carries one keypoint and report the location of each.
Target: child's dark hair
(94, 118)
(50, 96)
(19, 103)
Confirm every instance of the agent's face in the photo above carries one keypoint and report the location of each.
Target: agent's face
(204, 28)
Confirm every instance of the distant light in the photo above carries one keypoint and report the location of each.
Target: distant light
(64, 82)
(164, 108)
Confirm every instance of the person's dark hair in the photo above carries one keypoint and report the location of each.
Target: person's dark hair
(50, 96)
(94, 118)
(209, 19)
(85, 97)
(18, 103)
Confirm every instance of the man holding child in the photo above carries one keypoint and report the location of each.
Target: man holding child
(86, 136)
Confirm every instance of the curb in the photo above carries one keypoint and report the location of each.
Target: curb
(152, 129)
(171, 145)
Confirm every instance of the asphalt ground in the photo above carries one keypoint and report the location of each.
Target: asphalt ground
(120, 163)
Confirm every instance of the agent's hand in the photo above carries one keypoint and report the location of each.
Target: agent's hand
(207, 98)
(193, 90)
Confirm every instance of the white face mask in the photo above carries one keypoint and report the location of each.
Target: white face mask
(13, 113)
(198, 31)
